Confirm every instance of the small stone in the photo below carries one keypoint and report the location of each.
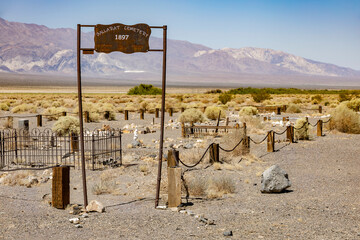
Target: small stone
(211, 222)
(190, 213)
(188, 146)
(174, 209)
(161, 207)
(182, 211)
(95, 206)
(85, 215)
(78, 226)
(74, 220)
(228, 233)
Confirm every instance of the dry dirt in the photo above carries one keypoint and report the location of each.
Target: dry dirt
(322, 203)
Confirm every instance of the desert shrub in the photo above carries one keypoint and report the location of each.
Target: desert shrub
(212, 112)
(225, 97)
(327, 103)
(302, 130)
(344, 97)
(354, 104)
(53, 113)
(144, 89)
(93, 110)
(4, 107)
(66, 125)
(24, 108)
(56, 104)
(192, 115)
(109, 107)
(297, 101)
(260, 96)
(293, 108)
(318, 98)
(217, 187)
(345, 120)
(197, 186)
(248, 111)
(214, 91)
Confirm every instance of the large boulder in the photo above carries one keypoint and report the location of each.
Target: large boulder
(274, 180)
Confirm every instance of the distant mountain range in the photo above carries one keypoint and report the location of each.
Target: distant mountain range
(35, 49)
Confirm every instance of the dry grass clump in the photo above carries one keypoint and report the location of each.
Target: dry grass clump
(212, 112)
(4, 107)
(248, 111)
(24, 108)
(293, 108)
(106, 185)
(54, 113)
(303, 131)
(354, 104)
(192, 115)
(345, 120)
(66, 125)
(93, 110)
(192, 156)
(233, 138)
(219, 186)
(19, 178)
(197, 187)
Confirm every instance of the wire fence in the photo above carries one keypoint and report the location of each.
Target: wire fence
(38, 149)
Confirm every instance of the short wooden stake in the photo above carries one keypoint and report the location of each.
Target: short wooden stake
(271, 141)
(203, 110)
(61, 187)
(39, 120)
(244, 129)
(265, 119)
(126, 114)
(290, 134)
(183, 132)
(64, 114)
(246, 145)
(157, 113)
(74, 142)
(171, 110)
(214, 153)
(142, 113)
(192, 127)
(86, 116)
(278, 110)
(172, 159)
(174, 186)
(319, 128)
(320, 109)
(182, 109)
(107, 115)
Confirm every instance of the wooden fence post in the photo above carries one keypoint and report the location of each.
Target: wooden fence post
(214, 153)
(64, 114)
(39, 120)
(320, 109)
(319, 128)
(126, 114)
(171, 110)
(182, 109)
(183, 132)
(142, 113)
(278, 110)
(157, 113)
(74, 142)
(61, 187)
(192, 127)
(107, 115)
(290, 134)
(244, 129)
(174, 186)
(271, 141)
(86, 116)
(172, 159)
(265, 118)
(204, 108)
(246, 145)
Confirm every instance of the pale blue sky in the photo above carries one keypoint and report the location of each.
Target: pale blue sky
(321, 30)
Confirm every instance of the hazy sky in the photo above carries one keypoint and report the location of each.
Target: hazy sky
(322, 30)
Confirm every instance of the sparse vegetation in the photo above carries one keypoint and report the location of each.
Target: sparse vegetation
(66, 125)
(293, 108)
(248, 111)
(144, 89)
(345, 120)
(302, 129)
(192, 115)
(225, 97)
(260, 96)
(212, 112)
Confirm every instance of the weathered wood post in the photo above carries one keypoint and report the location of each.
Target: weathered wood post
(126, 114)
(157, 113)
(214, 153)
(107, 115)
(271, 141)
(244, 129)
(142, 111)
(203, 110)
(278, 110)
(74, 142)
(320, 109)
(319, 128)
(174, 179)
(265, 118)
(87, 116)
(61, 187)
(246, 145)
(171, 110)
(64, 114)
(39, 120)
(183, 132)
(172, 159)
(182, 109)
(192, 127)
(290, 134)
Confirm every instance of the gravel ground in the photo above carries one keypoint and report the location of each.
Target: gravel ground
(322, 203)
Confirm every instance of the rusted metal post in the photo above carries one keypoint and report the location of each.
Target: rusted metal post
(142, 114)
(86, 116)
(319, 128)
(162, 116)
(16, 144)
(271, 141)
(83, 171)
(39, 120)
(320, 109)
(214, 153)
(157, 113)
(61, 187)
(126, 114)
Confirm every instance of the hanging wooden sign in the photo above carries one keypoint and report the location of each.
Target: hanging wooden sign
(122, 38)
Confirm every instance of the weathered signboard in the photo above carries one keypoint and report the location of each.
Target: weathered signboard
(122, 38)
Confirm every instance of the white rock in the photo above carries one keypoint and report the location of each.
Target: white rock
(74, 220)
(95, 206)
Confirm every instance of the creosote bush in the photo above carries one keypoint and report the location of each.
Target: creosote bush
(66, 125)
(248, 111)
(54, 113)
(225, 97)
(4, 107)
(260, 96)
(345, 120)
(192, 115)
(212, 112)
(293, 108)
(144, 89)
(24, 108)
(303, 133)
